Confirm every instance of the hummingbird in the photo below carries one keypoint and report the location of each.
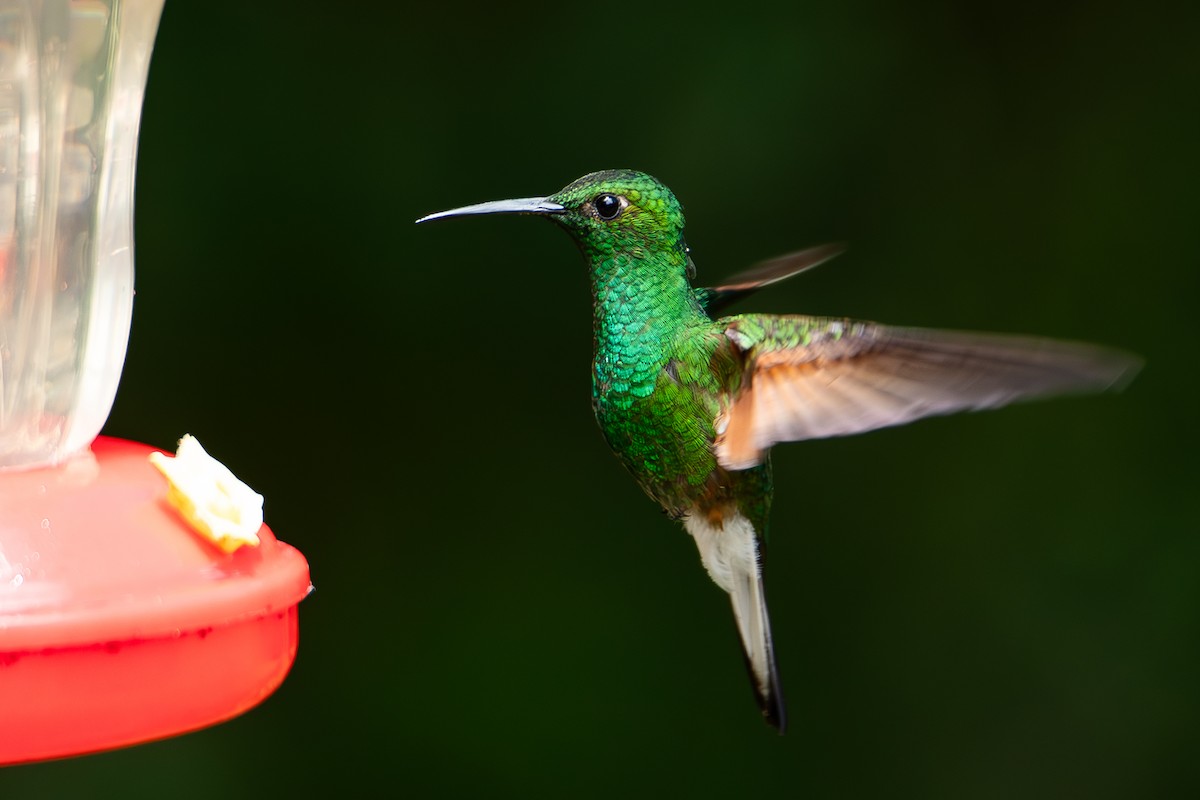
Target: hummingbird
(691, 401)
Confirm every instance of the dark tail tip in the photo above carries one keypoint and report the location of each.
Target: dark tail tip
(770, 702)
(773, 709)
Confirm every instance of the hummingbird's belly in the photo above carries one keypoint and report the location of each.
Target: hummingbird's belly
(665, 441)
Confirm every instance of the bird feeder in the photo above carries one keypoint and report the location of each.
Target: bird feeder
(118, 623)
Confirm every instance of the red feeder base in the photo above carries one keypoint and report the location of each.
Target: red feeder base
(118, 625)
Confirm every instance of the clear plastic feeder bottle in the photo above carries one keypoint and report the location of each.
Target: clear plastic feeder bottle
(72, 76)
(119, 622)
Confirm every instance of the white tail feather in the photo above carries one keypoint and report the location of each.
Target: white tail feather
(730, 554)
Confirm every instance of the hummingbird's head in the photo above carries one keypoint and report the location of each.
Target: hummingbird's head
(620, 210)
(606, 212)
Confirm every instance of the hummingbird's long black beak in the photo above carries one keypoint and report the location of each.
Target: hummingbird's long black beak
(520, 205)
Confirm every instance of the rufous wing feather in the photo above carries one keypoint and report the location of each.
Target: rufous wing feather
(811, 378)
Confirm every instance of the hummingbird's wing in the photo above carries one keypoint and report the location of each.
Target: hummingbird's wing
(811, 377)
(715, 298)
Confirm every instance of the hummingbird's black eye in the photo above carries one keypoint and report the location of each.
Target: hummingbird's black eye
(607, 206)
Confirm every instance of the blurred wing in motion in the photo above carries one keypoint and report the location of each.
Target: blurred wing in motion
(812, 377)
(765, 273)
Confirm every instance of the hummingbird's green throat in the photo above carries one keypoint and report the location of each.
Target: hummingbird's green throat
(691, 403)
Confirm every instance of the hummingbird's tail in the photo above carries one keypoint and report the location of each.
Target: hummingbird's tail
(730, 554)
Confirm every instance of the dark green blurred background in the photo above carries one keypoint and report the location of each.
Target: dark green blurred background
(1000, 605)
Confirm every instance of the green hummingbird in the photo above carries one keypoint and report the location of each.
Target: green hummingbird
(691, 402)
